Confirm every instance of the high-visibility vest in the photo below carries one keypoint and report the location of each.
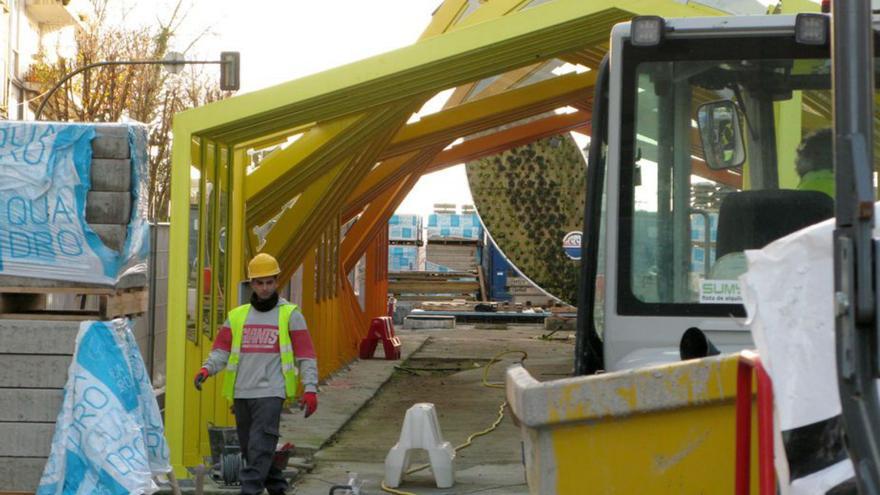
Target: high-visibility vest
(237, 318)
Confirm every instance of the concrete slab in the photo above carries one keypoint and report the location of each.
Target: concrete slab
(110, 142)
(30, 404)
(38, 337)
(428, 322)
(361, 411)
(21, 473)
(111, 174)
(491, 479)
(112, 234)
(108, 207)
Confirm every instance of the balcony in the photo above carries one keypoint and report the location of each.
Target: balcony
(55, 13)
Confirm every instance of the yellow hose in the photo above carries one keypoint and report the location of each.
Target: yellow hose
(472, 436)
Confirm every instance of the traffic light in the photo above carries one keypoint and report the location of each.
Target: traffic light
(230, 67)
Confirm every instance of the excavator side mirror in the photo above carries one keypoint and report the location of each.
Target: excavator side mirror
(694, 344)
(721, 134)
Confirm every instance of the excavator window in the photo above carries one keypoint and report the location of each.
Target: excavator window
(685, 220)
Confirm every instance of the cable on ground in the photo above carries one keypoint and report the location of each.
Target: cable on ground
(472, 436)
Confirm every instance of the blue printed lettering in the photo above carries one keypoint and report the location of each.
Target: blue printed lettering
(60, 207)
(31, 154)
(95, 443)
(44, 219)
(116, 433)
(43, 245)
(12, 140)
(95, 397)
(154, 441)
(19, 245)
(131, 456)
(69, 243)
(118, 463)
(16, 216)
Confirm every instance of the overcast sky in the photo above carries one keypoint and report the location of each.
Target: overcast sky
(282, 40)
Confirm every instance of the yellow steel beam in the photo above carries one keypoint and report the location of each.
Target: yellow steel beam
(490, 112)
(293, 221)
(439, 62)
(237, 238)
(362, 134)
(484, 12)
(379, 178)
(444, 17)
(297, 163)
(176, 344)
(280, 162)
(274, 138)
(300, 227)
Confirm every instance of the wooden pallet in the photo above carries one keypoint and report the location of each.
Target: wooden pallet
(30, 303)
(433, 276)
(433, 286)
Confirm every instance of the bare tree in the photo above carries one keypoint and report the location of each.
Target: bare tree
(144, 93)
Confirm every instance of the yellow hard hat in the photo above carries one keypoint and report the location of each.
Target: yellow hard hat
(263, 265)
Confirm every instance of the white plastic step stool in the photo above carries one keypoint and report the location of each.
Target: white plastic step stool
(421, 431)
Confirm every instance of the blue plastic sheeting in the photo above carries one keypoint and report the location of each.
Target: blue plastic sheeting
(44, 181)
(403, 259)
(405, 228)
(109, 436)
(454, 226)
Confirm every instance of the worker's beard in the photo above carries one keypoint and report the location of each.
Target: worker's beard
(264, 305)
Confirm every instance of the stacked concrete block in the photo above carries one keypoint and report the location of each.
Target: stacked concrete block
(460, 257)
(108, 205)
(33, 371)
(523, 292)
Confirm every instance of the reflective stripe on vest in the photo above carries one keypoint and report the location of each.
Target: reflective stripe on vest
(237, 319)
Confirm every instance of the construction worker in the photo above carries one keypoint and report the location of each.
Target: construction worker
(815, 162)
(258, 345)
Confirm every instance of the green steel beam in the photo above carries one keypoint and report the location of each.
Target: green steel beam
(433, 64)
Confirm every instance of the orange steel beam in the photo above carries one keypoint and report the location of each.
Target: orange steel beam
(385, 175)
(487, 113)
(480, 147)
(374, 218)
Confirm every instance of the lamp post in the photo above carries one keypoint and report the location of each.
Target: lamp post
(229, 72)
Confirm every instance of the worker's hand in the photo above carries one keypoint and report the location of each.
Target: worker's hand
(309, 402)
(201, 376)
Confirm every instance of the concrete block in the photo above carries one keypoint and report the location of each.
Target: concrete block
(26, 439)
(21, 473)
(401, 310)
(108, 207)
(111, 175)
(30, 405)
(111, 142)
(33, 371)
(112, 234)
(559, 323)
(426, 322)
(37, 337)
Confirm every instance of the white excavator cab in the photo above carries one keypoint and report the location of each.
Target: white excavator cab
(711, 137)
(718, 141)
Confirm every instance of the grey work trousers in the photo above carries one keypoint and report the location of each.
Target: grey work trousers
(256, 421)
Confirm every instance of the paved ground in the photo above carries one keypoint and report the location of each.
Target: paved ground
(446, 371)
(361, 411)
